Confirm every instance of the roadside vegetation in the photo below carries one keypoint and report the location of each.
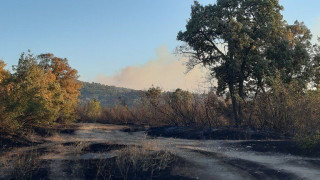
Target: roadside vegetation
(284, 110)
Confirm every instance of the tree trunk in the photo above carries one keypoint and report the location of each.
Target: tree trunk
(234, 105)
(240, 103)
(241, 86)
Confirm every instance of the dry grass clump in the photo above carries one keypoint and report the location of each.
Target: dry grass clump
(26, 165)
(148, 161)
(80, 146)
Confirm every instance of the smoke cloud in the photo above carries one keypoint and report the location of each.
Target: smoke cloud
(166, 71)
(315, 29)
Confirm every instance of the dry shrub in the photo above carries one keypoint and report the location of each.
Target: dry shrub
(290, 110)
(118, 115)
(182, 108)
(179, 108)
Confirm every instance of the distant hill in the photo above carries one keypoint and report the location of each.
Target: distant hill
(109, 96)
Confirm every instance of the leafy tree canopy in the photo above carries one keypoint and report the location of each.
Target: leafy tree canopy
(243, 42)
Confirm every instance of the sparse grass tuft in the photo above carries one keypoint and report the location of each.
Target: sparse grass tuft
(27, 166)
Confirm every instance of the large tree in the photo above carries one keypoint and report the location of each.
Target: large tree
(240, 41)
(41, 90)
(67, 77)
(34, 96)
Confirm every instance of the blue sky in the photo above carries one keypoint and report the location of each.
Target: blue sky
(103, 37)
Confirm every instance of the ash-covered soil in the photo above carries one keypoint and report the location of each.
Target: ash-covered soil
(92, 151)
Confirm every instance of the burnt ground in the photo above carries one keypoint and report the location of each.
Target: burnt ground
(9, 141)
(103, 147)
(281, 146)
(86, 169)
(213, 134)
(92, 151)
(256, 170)
(134, 128)
(108, 169)
(83, 154)
(20, 140)
(49, 131)
(89, 162)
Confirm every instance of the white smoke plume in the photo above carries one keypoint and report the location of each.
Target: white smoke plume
(166, 71)
(315, 30)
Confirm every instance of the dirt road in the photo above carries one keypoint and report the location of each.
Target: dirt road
(208, 159)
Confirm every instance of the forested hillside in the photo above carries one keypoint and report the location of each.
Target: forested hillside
(108, 96)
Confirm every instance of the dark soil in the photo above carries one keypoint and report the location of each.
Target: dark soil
(67, 131)
(40, 174)
(43, 131)
(103, 147)
(20, 140)
(7, 142)
(40, 151)
(283, 146)
(134, 128)
(256, 170)
(75, 143)
(36, 174)
(213, 134)
(108, 169)
(316, 163)
(29, 166)
(259, 171)
(49, 131)
(95, 168)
